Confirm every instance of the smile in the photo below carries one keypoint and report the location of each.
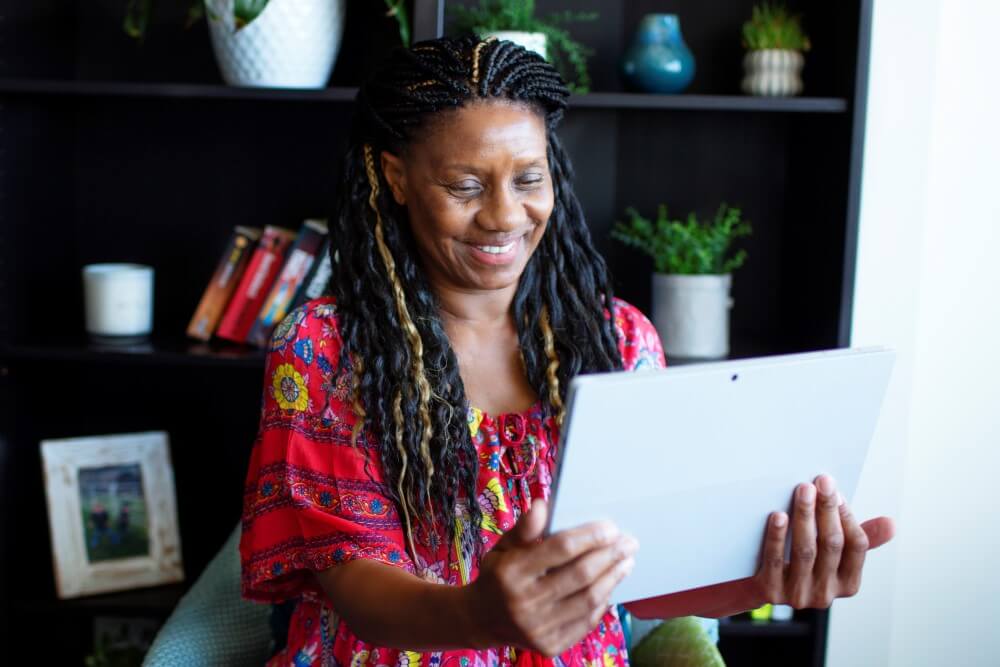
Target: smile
(497, 249)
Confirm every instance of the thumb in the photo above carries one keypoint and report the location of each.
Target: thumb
(879, 531)
(528, 528)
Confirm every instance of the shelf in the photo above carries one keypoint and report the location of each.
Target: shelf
(154, 602)
(734, 629)
(155, 352)
(709, 102)
(637, 101)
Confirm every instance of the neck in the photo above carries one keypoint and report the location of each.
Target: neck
(478, 309)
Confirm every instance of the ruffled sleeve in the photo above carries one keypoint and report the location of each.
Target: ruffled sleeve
(311, 499)
(638, 340)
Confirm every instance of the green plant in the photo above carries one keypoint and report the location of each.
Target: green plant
(771, 26)
(686, 247)
(566, 54)
(138, 12)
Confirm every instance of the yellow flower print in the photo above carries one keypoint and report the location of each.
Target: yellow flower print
(359, 659)
(289, 388)
(475, 419)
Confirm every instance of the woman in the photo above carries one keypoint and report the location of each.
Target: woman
(410, 421)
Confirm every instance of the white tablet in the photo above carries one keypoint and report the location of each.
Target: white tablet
(692, 459)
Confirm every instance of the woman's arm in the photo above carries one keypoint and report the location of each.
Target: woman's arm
(828, 552)
(541, 594)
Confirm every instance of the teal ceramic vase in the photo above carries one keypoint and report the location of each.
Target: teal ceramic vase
(658, 61)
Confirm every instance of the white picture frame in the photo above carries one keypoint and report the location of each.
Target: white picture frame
(112, 512)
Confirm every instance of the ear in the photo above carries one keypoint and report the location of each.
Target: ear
(395, 176)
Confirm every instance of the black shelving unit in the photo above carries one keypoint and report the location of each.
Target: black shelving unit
(112, 151)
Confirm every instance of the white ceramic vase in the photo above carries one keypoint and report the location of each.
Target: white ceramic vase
(292, 44)
(772, 72)
(532, 41)
(691, 314)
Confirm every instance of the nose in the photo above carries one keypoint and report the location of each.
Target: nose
(502, 212)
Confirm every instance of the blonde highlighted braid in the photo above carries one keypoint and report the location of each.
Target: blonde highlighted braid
(416, 343)
(551, 376)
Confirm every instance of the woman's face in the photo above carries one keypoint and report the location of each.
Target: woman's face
(478, 192)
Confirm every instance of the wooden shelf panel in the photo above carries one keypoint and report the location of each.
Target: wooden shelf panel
(155, 352)
(155, 602)
(734, 629)
(611, 100)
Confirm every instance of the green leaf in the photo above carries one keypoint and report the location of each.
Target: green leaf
(137, 13)
(245, 11)
(397, 10)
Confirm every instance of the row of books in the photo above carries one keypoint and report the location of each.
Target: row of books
(262, 275)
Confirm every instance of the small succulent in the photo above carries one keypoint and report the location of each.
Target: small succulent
(771, 26)
(686, 247)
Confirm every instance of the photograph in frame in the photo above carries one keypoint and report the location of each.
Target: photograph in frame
(112, 512)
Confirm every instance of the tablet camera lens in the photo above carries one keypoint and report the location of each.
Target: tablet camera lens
(735, 377)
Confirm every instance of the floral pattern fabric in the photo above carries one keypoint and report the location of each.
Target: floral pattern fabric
(313, 501)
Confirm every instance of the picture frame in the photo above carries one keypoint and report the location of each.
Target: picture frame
(112, 512)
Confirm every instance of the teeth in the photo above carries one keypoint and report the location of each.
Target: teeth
(496, 249)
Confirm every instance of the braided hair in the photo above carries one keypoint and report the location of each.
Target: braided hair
(405, 376)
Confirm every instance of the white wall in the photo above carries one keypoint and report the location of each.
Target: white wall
(928, 284)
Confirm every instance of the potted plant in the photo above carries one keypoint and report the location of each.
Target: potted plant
(694, 264)
(515, 20)
(293, 44)
(775, 42)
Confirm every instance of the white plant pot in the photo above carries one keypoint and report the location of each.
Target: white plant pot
(772, 72)
(532, 41)
(691, 314)
(292, 44)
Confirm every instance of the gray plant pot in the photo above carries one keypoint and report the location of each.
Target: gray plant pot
(691, 314)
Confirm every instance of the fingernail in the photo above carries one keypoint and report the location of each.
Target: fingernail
(627, 566)
(779, 520)
(825, 485)
(840, 499)
(608, 532)
(807, 493)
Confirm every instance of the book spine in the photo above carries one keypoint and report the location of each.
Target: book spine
(260, 274)
(220, 288)
(318, 279)
(278, 301)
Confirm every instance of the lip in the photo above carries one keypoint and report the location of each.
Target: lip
(494, 259)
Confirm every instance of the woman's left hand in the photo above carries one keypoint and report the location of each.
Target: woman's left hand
(828, 549)
(827, 556)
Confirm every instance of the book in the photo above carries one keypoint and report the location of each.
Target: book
(318, 278)
(247, 299)
(220, 288)
(301, 257)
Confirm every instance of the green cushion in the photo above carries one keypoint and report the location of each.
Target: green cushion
(213, 624)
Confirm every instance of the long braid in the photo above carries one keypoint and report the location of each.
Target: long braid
(406, 386)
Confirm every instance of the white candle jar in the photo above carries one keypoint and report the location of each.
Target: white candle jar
(118, 300)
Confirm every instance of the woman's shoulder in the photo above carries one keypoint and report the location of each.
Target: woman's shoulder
(638, 339)
(311, 324)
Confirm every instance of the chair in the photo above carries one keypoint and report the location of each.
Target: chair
(212, 624)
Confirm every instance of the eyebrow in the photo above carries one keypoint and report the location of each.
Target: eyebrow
(536, 162)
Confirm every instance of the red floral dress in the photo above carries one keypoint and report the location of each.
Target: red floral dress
(310, 504)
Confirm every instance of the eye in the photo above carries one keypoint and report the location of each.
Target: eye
(466, 188)
(530, 180)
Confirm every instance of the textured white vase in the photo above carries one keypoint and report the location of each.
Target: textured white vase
(691, 314)
(772, 72)
(292, 44)
(532, 41)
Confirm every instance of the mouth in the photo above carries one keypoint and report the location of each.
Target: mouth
(494, 254)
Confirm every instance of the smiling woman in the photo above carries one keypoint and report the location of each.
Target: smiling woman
(410, 424)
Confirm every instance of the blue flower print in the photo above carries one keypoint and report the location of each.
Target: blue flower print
(304, 350)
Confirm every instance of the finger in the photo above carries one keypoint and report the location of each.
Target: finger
(855, 549)
(799, 582)
(585, 570)
(528, 529)
(771, 575)
(568, 545)
(879, 531)
(829, 543)
(588, 607)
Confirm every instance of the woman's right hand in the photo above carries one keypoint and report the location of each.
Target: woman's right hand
(547, 594)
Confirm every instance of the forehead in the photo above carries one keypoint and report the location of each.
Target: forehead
(482, 131)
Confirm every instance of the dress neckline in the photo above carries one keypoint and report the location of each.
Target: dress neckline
(484, 415)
